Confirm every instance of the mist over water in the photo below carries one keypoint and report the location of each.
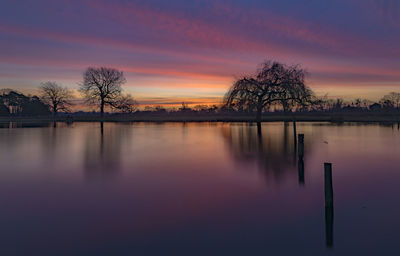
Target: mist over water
(197, 189)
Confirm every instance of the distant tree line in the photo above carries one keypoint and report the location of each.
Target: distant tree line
(314, 105)
(275, 87)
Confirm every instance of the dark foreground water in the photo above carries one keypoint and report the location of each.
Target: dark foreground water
(198, 189)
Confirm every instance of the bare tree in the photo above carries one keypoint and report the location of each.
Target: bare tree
(58, 98)
(391, 99)
(102, 86)
(275, 83)
(126, 104)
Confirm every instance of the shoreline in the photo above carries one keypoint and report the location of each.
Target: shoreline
(336, 118)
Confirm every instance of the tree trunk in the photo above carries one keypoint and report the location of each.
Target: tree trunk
(102, 108)
(259, 113)
(54, 110)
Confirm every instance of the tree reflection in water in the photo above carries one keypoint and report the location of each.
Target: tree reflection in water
(270, 146)
(102, 156)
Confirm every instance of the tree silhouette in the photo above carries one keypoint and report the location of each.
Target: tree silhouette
(125, 103)
(55, 96)
(275, 83)
(102, 86)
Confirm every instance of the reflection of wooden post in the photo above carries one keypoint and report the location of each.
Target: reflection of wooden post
(328, 205)
(328, 184)
(294, 135)
(301, 171)
(301, 146)
(329, 226)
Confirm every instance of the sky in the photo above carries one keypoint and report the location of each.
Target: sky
(193, 50)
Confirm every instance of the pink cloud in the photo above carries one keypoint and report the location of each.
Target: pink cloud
(196, 32)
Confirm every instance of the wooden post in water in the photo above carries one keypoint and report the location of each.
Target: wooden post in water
(328, 184)
(328, 205)
(294, 135)
(301, 146)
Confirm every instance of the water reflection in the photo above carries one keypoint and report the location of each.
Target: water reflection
(193, 184)
(300, 168)
(272, 147)
(329, 226)
(102, 155)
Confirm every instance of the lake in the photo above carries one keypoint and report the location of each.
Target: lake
(198, 189)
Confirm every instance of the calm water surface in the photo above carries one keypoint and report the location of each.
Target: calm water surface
(198, 189)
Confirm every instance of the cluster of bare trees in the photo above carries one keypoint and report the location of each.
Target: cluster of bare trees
(389, 102)
(101, 87)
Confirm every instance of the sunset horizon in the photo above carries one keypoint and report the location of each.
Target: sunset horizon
(193, 52)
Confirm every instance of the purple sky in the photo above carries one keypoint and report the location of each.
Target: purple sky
(193, 50)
